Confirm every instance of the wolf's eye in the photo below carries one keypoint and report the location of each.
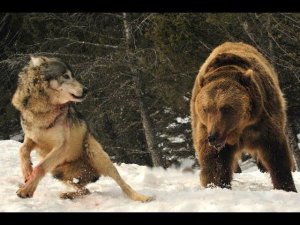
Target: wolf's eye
(66, 76)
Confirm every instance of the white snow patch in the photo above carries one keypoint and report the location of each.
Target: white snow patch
(183, 120)
(186, 98)
(75, 180)
(163, 135)
(174, 191)
(172, 125)
(179, 121)
(178, 139)
(248, 166)
(187, 162)
(167, 110)
(17, 137)
(160, 144)
(298, 136)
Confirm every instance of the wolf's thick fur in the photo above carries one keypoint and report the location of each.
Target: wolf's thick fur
(53, 127)
(236, 106)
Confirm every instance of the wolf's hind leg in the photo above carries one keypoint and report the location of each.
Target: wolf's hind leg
(102, 163)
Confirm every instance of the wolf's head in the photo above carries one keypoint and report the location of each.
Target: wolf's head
(61, 85)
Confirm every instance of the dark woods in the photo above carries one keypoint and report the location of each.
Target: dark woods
(140, 69)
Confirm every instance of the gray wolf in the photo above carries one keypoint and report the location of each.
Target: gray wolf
(45, 96)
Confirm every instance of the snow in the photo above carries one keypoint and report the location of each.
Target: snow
(174, 190)
(17, 137)
(186, 99)
(172, 125)
(178, 139)
(179, 120)
(167, 110)
(183, 120)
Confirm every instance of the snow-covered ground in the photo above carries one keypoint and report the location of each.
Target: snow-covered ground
(174, 190)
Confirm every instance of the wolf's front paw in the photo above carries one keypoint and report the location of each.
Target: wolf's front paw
(25, 192)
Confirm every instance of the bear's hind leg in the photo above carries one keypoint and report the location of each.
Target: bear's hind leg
(275, 156)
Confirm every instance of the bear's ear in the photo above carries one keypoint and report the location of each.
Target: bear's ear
(201, 81)
(249, 74)
(36, 61)
(247, 78)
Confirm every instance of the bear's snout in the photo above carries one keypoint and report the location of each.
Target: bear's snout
(216, 140)
(213, 138)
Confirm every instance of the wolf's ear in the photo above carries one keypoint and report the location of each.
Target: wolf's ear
(36, 61)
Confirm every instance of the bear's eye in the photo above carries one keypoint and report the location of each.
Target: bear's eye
(205, 110)
(66, 76)
(226, 109)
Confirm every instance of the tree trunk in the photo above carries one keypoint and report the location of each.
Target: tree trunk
(155, 154)
(147, 125)
(294, 145)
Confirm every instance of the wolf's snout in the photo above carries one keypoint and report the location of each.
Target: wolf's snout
(79, 93)
(85, 90)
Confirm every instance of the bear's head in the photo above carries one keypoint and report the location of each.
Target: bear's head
(224, 105)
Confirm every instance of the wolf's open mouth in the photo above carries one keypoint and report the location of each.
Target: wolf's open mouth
(77, 97)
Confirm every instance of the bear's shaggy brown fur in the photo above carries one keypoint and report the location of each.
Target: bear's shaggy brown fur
(236, 106)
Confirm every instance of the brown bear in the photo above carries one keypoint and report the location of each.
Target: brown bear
(237, 106)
